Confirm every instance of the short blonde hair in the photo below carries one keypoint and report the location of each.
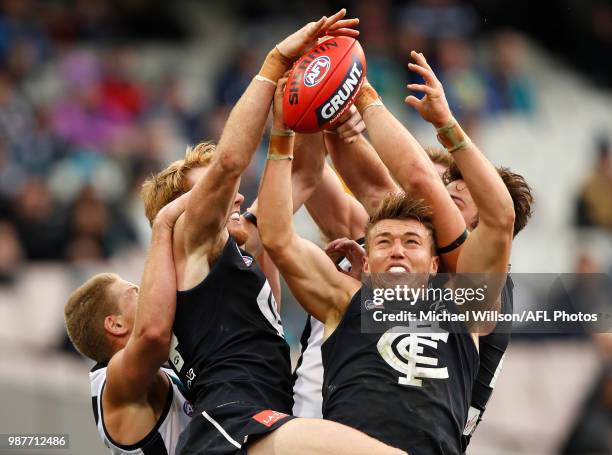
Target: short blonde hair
(84, 315)
(164, 187)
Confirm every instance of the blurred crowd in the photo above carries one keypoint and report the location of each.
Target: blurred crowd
(83, 119)
(81, 125)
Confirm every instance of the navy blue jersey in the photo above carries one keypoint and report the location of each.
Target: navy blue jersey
(228, 342)
(409, 389)
(492, 349)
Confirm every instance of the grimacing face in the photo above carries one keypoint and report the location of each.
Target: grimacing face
(234, 223)
(461, 196)
(400, 246)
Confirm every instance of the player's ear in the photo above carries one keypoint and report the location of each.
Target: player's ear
(435, 263)
(366, 264)
(115, 325)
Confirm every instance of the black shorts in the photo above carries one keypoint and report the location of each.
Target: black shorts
(228, 428)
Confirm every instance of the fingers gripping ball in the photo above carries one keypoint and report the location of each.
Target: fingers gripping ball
(323, 84)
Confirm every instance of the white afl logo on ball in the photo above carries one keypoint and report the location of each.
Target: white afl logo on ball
(316, 71)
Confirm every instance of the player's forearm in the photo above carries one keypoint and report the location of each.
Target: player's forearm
(495, 206)
(308, 163)
(244, 128)
(157, 295)
(401, 153)
(361, 169)
(336, 213)
(275, 207)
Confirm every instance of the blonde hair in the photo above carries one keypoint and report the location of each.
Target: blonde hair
(164, 187)
(84, 315)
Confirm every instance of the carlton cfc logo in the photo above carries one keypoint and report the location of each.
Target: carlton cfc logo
(316, 71)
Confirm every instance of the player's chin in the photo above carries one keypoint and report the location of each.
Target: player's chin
(238, 232)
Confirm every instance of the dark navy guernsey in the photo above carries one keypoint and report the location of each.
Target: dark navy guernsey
(228, 343)
(408, 389)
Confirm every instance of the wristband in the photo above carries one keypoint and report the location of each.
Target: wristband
(278, 157)
(265, 79)
(281, 145)
(366, 98)
(274, 66)
(452, 137)
(282, 132)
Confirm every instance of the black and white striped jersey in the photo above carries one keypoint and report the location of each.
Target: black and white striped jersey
(164, 435)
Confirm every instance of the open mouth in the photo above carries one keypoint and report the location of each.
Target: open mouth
(235, 216)
(397, 269)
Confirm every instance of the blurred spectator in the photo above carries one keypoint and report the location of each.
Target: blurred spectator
(593, 206)
(423, 22)
(11, 255)
(121, 95)
(510, 88)
(462, 79)
(23, 42)
(16, 118)
(439, 18)
(384, 67)
(12, 177)
(39, 221)
(236, 76)
(96, 231)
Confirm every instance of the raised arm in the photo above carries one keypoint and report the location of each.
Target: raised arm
(311, 275)
(305, 176)
(487, 249)
(336, 213)
(359, 165)
(132, 369)
(412, 170)
(213, 195)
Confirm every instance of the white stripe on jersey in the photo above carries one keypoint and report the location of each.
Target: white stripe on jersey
(308, 387)
(267, 306)
(174, 422)
(221, 430)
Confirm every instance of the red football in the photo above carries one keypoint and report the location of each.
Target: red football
(323, 84)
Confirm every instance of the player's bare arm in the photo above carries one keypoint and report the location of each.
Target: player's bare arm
(412, 169)
(358, 163)
(201, 232)
(336, 213)
(487, 249)
(311, 275)
(136, 389)
(305, 176)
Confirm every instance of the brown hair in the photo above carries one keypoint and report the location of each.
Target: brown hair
(399, 206)
(519, 190)
(439, 156)
(84, 315)
(164, 187)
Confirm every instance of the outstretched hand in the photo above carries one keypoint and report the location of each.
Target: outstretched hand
(433, 107)
(299, 42)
